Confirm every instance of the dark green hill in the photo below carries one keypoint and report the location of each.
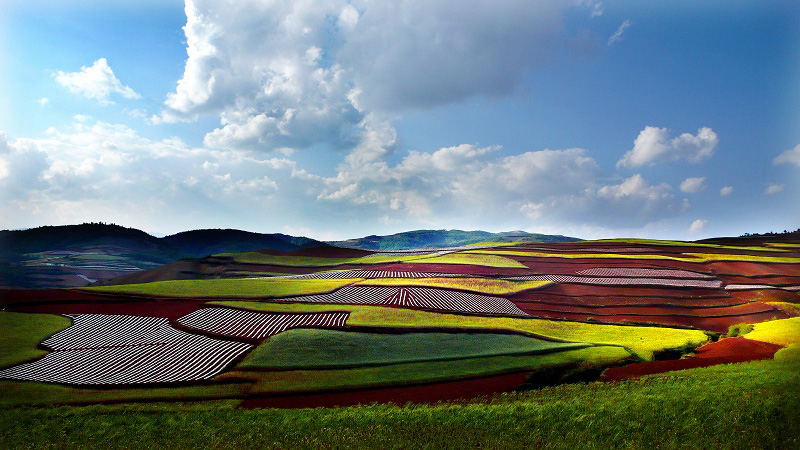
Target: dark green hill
(445, 238)
(199, 243)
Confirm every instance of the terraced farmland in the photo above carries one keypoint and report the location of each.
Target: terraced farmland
(343, 326)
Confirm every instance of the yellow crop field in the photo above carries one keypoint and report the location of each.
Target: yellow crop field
(230, 287)
(480, 285)
(471, 257)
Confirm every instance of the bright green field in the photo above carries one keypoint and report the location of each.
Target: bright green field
(642, 341)
(228, 287)
(314, 348)
(748, 405)
(20, 333)
(425, 372)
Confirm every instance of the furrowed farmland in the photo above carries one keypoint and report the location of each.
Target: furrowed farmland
(553, 344)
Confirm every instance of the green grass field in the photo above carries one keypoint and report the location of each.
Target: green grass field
(20, 333)
(228, 287)
(747, 405)
(268, 382)
(491, 259)
(314, 348)
(642, 341)
(486, 286)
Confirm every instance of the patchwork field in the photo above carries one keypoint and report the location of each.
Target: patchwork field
(354, 326)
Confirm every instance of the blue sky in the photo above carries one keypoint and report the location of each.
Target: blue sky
(338, 118)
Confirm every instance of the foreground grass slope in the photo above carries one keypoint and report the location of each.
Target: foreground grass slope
(747, 405)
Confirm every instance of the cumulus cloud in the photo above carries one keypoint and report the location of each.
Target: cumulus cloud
(791, 156)
(726, 191)
(654, 145)
(773, 188)
(617, 36)
(43, 101)
(298, 74)
(693, 185)
(697, 226)
(96, 82)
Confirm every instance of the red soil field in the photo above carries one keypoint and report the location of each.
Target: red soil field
(715, 324)
(725, 351)
(10, 297)
(752, 269)
(322, 252)
(428, 393)
(166, 309)
(768, 295)
(739, 310)
(578, 290)
(536, 296)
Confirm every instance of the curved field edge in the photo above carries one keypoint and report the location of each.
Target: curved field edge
(396, 375)
(487, 286)
(471, 258)
(643, 341)
(746, 405)
(21, 333)
(227, 287)
(325, 349)
(783, 332)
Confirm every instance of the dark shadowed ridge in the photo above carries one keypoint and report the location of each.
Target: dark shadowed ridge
(445, 238)
(199, 243)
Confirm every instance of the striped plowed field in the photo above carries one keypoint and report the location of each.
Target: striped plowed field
(715, 324)
(594, 300)
(123, 350)
(415, 297)
(725, 351)
(455, 269)
(368, 274)
(255, 325)
(634, 272)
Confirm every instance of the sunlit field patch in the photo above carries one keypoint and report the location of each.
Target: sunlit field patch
(255, 287)
(481, 285)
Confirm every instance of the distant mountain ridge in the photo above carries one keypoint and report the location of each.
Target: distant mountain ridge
(409, 240)
(199, 243)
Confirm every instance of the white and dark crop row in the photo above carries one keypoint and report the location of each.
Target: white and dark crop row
(643, 273)
(370, 274)
(257, 325)
(92, 352)
(426, 298)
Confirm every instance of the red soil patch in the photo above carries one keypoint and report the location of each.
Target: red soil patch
(325, 251)
(766, 295)
(571, 266)
(535, 296)
(739, 310)
(11, 297)
(715, 324)
(428, 393)
(579, 290)
(752, 269)
(166, 309)
(725, 351)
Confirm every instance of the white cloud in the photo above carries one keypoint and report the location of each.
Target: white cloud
(791, 156)
(298, 74)
(43, 101)
(617, 36)
(653, 145)
(697, 226)
(532, 210)
(773, 188)
(726, 191)
(97, 82)
(693, 185)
